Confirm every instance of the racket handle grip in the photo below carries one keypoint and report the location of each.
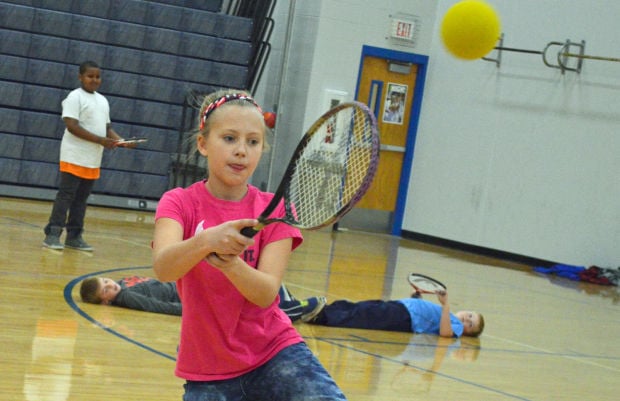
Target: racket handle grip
(249, 232)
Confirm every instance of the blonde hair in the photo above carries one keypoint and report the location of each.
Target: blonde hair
(221, 98)
(215, 100)
(480, 329)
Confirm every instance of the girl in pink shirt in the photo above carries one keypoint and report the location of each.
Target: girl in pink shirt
(236, 343)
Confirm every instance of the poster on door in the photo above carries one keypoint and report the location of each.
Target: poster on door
(394, 104)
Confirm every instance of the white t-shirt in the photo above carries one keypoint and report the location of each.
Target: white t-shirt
(93, 113)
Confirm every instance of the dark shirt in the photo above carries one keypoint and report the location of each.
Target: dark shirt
(149, 295)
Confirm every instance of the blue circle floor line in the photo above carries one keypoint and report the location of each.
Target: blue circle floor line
(68, 291)
(68, 295)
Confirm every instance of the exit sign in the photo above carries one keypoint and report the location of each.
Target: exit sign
(402, 29)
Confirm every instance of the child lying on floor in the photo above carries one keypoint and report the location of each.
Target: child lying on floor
(151, 295)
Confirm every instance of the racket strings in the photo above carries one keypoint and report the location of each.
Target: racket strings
(425, 284)
(334, 168)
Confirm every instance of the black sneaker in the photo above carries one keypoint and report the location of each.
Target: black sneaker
(53, 242)
(79, 244)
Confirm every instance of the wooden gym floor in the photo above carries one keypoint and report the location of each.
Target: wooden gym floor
(546, 338)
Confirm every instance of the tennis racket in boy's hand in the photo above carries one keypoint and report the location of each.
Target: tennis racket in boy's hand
(425, 284)
(329, 172)
(130, 142)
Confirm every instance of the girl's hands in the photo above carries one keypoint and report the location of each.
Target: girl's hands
(222, 261)
(226, 239)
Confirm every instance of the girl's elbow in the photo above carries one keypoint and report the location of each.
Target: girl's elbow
(166, 278)
(161, 273)
(158, 274)
(264, 303)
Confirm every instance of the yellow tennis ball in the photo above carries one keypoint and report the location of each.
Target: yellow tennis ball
(470, 29)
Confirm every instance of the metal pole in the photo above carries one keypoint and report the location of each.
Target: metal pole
(283, 81)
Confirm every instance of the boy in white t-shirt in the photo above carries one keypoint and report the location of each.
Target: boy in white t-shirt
(86, 114)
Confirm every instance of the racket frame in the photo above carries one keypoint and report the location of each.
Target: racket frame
(423, 291)
(281, 192)
(130, 141)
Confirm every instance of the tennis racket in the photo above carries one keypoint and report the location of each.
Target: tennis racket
(130, 141)
(329, 172)
(424, 284)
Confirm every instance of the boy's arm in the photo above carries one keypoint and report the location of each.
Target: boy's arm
(445, 326)
(111, 133)
(74, 127)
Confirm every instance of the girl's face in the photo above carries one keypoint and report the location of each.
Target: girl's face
(233, 147)
(91, 79)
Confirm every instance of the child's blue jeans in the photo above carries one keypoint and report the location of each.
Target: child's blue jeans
(294, 374)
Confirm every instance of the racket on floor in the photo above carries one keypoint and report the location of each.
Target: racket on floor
(329, 172)
(424, 284)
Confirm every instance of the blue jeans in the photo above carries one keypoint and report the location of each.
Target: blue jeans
(373, 315)
(294, 374)
(71, 199)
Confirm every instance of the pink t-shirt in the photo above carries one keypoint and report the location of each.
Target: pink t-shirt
(223, 335)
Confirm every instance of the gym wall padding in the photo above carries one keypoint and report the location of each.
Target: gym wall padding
(152, 53)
